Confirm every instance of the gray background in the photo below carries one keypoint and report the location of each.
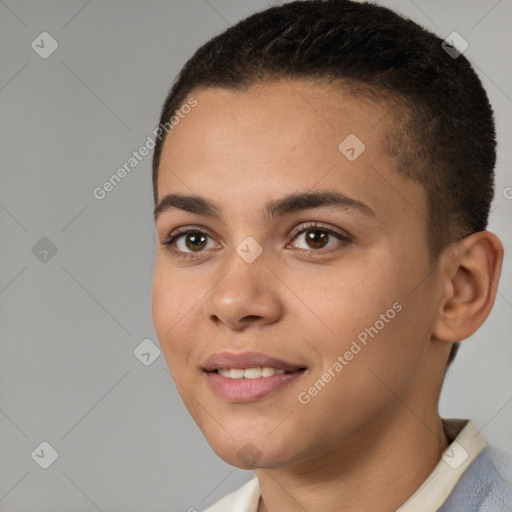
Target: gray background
(70, 324)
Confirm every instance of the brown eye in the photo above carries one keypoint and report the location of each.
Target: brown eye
(195, 241)
(317, 237)
(186, 241)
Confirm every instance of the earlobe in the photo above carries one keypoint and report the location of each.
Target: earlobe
(471, 286)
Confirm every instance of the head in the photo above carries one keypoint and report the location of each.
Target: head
(380, 137)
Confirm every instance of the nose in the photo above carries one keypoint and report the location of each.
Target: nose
(248, 294)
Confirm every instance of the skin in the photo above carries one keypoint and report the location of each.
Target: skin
(373, 434)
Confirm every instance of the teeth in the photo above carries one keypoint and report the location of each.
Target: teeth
(250, 373)
(237, 374)
(267, 372)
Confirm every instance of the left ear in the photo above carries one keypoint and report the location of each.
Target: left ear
(471, 287)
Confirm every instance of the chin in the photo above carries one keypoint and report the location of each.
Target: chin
(250, 453)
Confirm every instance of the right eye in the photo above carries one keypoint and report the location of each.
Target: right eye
(185, 241)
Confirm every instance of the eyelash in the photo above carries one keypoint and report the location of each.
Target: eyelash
(168, 242)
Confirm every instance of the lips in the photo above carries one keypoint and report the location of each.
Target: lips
(262, 375)
(244, 360)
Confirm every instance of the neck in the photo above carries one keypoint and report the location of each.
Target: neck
(378, 469)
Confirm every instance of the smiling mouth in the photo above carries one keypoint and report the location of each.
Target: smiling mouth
(257, 372)
(252, 384)
(249, 376)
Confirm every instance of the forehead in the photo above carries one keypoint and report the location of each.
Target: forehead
(275, 138)
(290, 118)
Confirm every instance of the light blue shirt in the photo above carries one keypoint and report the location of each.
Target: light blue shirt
(485, 486)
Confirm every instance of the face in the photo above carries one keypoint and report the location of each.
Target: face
(290, 326)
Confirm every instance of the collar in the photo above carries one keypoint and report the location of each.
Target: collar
(467, 443)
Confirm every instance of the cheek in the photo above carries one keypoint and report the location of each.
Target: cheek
(355, 303)
(173, 301)
(369, 329)
(360, 374)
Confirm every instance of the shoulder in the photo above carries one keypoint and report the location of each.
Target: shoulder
(244, 499)
(485, 486)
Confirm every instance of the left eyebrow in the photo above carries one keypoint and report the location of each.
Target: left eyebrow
(274, 208)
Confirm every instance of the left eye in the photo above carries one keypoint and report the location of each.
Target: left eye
(189, 241)
(316, 237)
